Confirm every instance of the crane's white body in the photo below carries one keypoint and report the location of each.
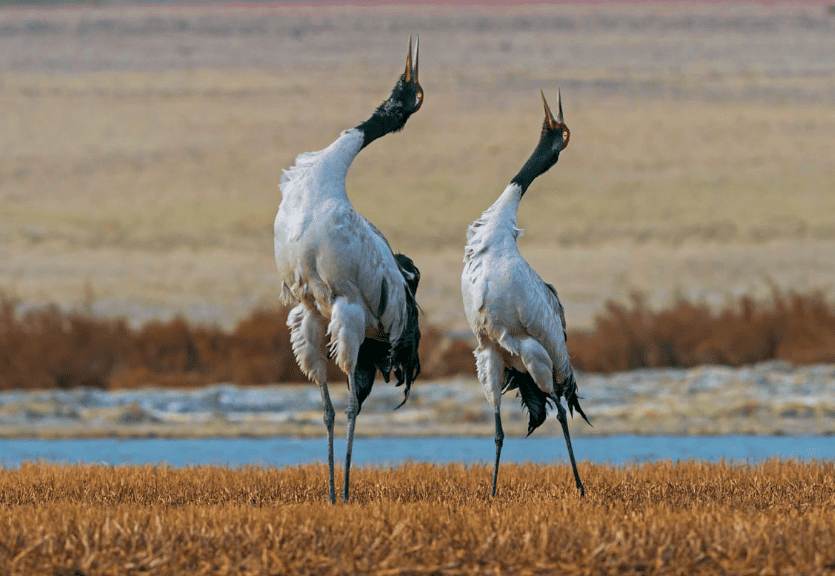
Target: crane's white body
(335, 268)
(516, 317)
(348, 290)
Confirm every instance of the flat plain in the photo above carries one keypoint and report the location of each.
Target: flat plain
(141, 147)
(663, 518)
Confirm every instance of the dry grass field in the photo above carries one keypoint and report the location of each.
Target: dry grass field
(687, 518)
(140, 148)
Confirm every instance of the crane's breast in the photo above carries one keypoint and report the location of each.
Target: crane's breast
(302, 246)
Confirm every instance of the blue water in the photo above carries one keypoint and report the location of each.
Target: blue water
(387, 451)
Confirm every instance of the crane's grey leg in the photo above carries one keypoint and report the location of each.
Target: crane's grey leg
(351, 410)
(490, 367)
(329, 415)
(499, 443)
(564, 423)
(540, 367)
(347, 331)
(307, 337)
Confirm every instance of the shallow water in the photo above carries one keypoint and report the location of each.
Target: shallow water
(282, 451)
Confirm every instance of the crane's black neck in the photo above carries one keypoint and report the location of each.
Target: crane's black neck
(540, 161)
(389, 117)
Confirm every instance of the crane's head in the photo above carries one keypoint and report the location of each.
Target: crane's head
(553, 139)
(407, 93)
(405, 99)
(555, 131)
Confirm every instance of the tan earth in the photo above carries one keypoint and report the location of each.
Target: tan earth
(140, 148)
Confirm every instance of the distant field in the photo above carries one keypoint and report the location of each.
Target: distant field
(140, 148)
(657, 518)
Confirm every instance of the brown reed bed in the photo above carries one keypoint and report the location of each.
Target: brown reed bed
(661, 518)
(48, 347)
(790, 326)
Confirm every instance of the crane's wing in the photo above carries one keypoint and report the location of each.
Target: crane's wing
(556, 306)
(543, 318)
(400, 352)
(377, 232)
(545, 321)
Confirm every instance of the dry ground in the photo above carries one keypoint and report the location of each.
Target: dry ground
(140, 148)
(774, 518)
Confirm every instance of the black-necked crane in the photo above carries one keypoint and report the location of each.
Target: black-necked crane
(517, 318)
(353, 298)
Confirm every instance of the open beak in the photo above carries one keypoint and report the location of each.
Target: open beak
(411, 73)
(417, 55)
(557, 123)
(550, 122)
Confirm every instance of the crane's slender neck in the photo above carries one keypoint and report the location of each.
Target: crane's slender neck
(497, 224)
(506, 206)
(316, 176)
(339, 156)
(539, 162)
(390, 116)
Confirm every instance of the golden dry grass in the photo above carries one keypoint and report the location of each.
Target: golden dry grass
(663, 518)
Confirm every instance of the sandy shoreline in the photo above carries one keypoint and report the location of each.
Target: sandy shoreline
(769, 398)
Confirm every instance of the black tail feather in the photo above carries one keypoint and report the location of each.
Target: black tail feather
(532, 398)
(404, 357)
(575, 403)
(572, 399)
(373, 355)
(536, 402)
